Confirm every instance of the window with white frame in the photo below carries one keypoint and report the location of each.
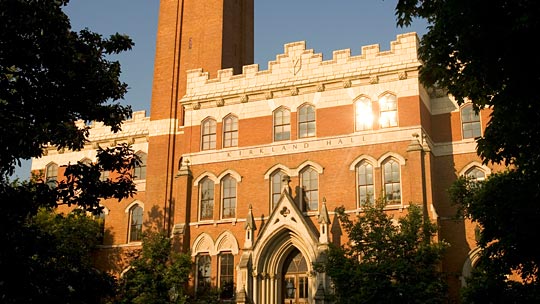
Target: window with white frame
(208, 134)
(206, 203)
(51, 174)
(282, 124)
(470, 122)
(276, 186)
(230, 131)
(135, 223)
(392, 182)
(388, 111)
(363, 117)
(306, 121)
(364, 181)
(310, 188)
(228, 197)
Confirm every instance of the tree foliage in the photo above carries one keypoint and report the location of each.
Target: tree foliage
(481, 51)
(61, 270)
(387, 261)
(157, 274)
(50, 77)
(507, 270)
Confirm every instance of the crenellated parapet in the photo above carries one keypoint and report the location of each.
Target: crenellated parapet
(134, 131)
(299, 70)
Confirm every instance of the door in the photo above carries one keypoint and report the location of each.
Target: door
(295, 281)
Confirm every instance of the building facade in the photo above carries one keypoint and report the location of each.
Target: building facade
(244, 168)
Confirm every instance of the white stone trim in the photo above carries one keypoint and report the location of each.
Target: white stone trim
(135, 202)
(473, 164)
(365, 157)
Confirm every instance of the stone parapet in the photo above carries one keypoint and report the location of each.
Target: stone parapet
(300, 70)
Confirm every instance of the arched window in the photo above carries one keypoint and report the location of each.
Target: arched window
(276, 186)
(208, 134)
(392, 182)
(306, 121)
(363, 114)
(388, 106)
(282, 124)
(230, 131)
(135, 223)
(476, 174)
(51, 174)
(139, 171)
(204, 270)
(226, 275)
(470, 122)
(206, 210)
(228, 197)
(364, 181)
(310, 188)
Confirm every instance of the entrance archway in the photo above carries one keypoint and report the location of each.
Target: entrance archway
(295, 283)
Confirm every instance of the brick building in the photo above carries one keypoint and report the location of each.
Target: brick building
(244, 167)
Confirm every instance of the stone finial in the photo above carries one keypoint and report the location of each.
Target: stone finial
(324, 218)
(250, 220)
(285, 180)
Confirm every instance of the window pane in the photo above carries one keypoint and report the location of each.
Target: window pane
(230, 132)
(139, 171)
(226, 275)
(306, 121)
(470, 122)
(207, 199)
(365, 183)
(204, 270)
(282, 127)
(388, 115)
(229, 197)
(310, 179)
(392, 187)
(209, 134)
(136, 219)
(276, 187)
(363, 114)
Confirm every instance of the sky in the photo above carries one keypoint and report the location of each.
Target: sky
(324, 25)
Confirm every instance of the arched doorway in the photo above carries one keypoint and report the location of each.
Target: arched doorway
(295, 279)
